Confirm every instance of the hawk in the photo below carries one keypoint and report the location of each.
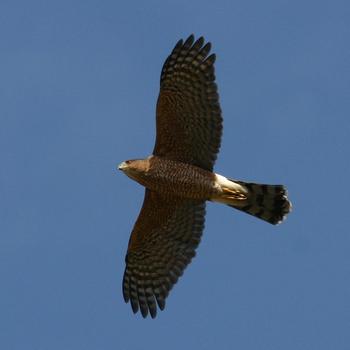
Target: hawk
(179, 179)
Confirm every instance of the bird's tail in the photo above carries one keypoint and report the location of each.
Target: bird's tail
(267, 202)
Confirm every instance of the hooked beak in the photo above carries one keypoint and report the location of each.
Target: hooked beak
(122, 166)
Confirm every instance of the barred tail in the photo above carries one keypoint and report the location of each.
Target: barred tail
(267, 202)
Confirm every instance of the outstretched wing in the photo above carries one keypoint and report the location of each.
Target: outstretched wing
(162, 244)
(189, 122)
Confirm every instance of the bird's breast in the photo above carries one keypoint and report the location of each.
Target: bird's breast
(171, 177)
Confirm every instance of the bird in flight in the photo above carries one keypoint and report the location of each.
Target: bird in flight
(179, 179)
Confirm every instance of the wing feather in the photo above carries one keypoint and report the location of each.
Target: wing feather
(189, 122)
(161, 245)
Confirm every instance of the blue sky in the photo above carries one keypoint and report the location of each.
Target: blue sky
(79, 82)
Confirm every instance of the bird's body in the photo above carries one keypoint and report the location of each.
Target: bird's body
(179, 179)
(173, 178)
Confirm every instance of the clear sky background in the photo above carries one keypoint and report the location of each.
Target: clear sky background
(78, 87)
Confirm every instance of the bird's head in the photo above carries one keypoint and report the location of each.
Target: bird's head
(134, 168)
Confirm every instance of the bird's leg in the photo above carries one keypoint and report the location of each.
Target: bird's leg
(233, 194)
